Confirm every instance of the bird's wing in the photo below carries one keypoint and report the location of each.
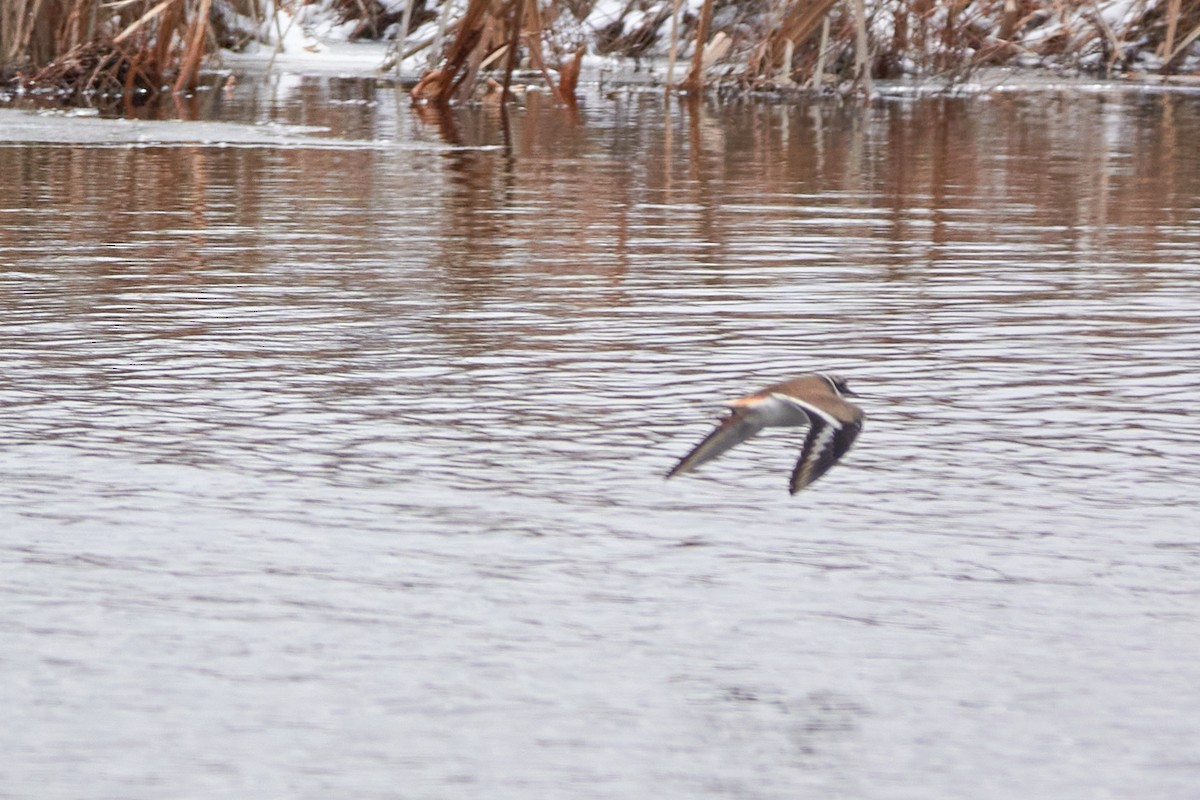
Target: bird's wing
(733, 430)
(828, 440)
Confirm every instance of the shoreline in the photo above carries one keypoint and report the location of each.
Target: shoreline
(601, 75)
(365, 60)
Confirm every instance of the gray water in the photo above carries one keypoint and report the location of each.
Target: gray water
(332, 440)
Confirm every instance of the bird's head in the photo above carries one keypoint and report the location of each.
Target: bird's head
(838, 384)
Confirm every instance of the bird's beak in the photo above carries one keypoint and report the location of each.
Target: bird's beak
(847, 393)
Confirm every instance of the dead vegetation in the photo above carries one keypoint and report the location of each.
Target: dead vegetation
(823, 45)
(491, 34)
(133, 49)
(114, 50)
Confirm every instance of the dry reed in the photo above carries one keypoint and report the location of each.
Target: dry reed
(127, 50)
(848, 44)
(490, 31)
(136, 48)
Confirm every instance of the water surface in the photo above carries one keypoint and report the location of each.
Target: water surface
(333, 448)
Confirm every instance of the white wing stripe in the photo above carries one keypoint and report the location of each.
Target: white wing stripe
(820, 445)
(833, 421)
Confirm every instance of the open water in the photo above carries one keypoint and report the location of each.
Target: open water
(332, 438)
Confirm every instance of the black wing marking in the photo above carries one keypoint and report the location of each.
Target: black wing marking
(824, 445)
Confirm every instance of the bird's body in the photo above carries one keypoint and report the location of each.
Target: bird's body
(816, 400)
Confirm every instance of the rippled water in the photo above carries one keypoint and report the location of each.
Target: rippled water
(333, 459)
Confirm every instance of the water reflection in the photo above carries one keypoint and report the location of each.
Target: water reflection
(411, 399)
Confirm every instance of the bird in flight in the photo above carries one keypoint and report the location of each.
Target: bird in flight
(816, 400)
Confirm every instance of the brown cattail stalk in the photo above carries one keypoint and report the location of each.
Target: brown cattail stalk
(405, 22)
(818, 77)
(190, 65)
(694, 82)
(674, 49)
(1169, 62)
(533, 40)
(438, 85)
(568, 78)
(799, 20)
(513, 42)
(862, 66)
(1168, 44)
(144, 18)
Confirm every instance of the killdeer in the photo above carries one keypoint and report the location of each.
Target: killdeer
(814, 400)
